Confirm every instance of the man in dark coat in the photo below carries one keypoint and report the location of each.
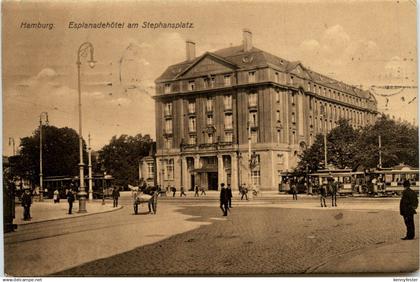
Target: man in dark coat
(26, 203)
(323, 194)
(294, 191)
(334, 190)
(229, 195)
(70, 199)
(408, 206)
(224, 199)
(196, 191)
(115, 196)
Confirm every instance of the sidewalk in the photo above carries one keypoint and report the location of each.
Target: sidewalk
(47, 210)
(397, 258)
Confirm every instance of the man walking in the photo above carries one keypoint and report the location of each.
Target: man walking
(196, 191)
(26, 203)
(115, 196)
(203, 191)
(334, 190)
(70, 199)
(323, 195)
(244, 192)
(408, 206)
(224, 200)
(182, 192)
(294, 191)
(229, 195)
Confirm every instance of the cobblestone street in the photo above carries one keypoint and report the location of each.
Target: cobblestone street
(258, 240)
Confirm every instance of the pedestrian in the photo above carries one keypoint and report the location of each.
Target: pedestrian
(229, 195)
(26, 203)
(294, 191)
(334, 190)
(136, 201)
(323, 195)
(70, 199)
(56, 196)
(115, 196)
(244, 192)
(196, 191)
(203, 191)
(408, 206)
(182, 192)
(152, 203)
(173, 189)
(224, 200)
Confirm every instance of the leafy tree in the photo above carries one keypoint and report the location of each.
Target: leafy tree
(341, 149)
(60, 154)
(399, 142)
(121, 157)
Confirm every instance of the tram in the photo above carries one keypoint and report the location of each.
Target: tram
(389, 181)
(101, 185)
(350, 182)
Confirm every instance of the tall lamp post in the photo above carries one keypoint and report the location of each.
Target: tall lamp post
(83, 51)
(324, 127)
(41, 181)
(90, 170)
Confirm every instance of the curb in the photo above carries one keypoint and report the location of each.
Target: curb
(64, 218)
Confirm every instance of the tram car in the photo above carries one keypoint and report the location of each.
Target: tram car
(350, 182)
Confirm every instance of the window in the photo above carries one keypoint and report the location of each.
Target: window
(212, 81)
(192, 140)
(229, 136)
(168, 126)
(294, 137)
(252, 99)
(227, 101)
(278, 135)
(191, 107)
(291, 79)
(150, 170)
(278, 116)
(277, 96)
(210, 138)
(228, 121)
(309, 86)
(192, 124)
(228, 80)
(276, 77)
(209, 104)
(206, 82)
(256, 177)
(251, 76)
(253, 119)
(254, 136)
(293, 118)
(191, 85)
(280, 158)
(167, 88)
(292, 96)
(209, 119)
(167, 143)
(168, 109)
(169, 170)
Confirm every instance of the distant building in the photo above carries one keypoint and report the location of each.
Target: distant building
(209, 108)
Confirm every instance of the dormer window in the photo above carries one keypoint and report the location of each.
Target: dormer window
(212, 81)
(251, 76)
(291, 79)
(276, 77)
(167, 88)
(191, 85)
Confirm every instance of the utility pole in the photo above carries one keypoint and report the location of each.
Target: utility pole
(90, 170)
(380, 151)
(41, 181)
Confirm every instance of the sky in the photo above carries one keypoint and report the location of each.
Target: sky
(364, 43)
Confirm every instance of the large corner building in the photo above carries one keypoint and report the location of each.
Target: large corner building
(242, 115)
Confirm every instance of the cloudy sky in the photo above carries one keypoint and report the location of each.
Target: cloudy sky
(361, 43)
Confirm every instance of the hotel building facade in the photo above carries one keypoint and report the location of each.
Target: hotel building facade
(242, 115)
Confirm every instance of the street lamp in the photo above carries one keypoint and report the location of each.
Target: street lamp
(324, 127)
(83, 51)
(41, 182)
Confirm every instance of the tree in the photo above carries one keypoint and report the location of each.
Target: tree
(399, 144)
(341, 149)
(60, 154)
(121, 157)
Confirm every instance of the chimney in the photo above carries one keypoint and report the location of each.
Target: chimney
(190, 50)
(247, 40)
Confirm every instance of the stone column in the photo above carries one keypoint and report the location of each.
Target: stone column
(220, 170)
(234, 172)
(185, 173)
(197, 165)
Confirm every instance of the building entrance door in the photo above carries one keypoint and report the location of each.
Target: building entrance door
(192, 182)
(212, 180)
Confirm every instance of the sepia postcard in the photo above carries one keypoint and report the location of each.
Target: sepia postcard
(210, 138)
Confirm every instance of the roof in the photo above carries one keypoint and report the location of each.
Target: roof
(255, 57)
